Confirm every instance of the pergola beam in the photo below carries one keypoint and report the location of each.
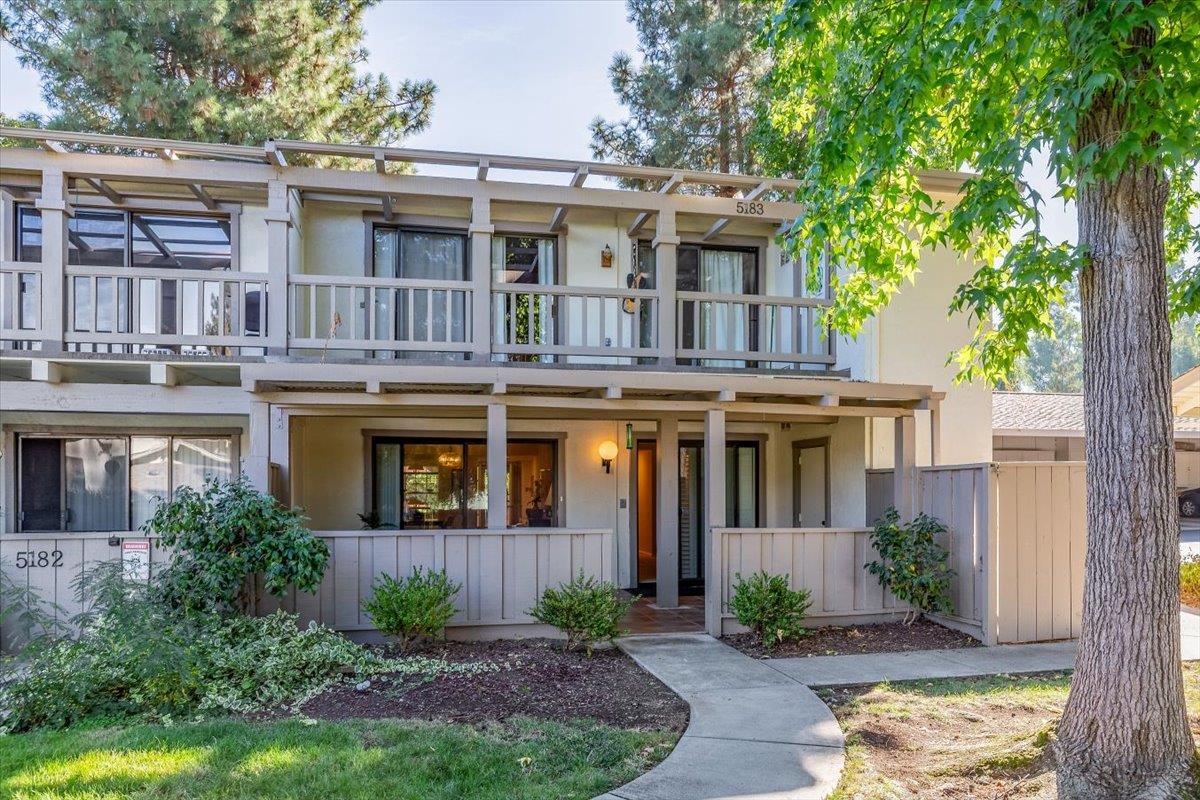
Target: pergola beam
(481, 170)
(751, 194)
(112, 195)
(558, 218)
(203, 196)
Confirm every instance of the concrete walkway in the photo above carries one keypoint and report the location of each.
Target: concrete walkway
(754, 731)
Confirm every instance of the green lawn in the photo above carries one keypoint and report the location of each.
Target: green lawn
(976, 737)
(374, 760)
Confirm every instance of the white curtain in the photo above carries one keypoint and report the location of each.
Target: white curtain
(97, 474)
(387, 483)
(149, 476)
(194, 460)
(721, 273)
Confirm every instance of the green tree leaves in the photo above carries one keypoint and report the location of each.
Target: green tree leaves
(865, 96)
(213, 70)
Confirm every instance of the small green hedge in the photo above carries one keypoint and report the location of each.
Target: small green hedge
(413, 608)
(767, 605)
(585, 609)
(1189, 581)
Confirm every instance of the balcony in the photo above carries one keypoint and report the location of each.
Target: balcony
(224, 313)
(192, 249)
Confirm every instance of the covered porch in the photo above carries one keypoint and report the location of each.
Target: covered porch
(605, 472)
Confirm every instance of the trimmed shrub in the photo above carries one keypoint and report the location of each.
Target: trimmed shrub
(414, 608)
(767, 605)
(1189, 581)
(912, 565)
(226, 533)
(585, 609)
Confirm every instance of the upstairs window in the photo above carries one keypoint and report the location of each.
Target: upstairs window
(111, 238)
(418, 254)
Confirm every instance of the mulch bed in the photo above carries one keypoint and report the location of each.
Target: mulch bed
(888, 637)
(537, 679)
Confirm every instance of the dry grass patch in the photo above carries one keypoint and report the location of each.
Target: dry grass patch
(967, 739)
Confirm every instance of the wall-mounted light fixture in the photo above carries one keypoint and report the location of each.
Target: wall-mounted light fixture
(628, 435)
(606, 257)
(608, 451)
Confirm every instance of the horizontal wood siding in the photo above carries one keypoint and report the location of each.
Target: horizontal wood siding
(828, 562)
(502, 572)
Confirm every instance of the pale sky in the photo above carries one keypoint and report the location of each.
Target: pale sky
(514, 78)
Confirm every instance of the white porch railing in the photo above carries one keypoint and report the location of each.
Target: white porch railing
(139, 309)
(20, 302)
(536, 320)
(389, 314)
(741, 327)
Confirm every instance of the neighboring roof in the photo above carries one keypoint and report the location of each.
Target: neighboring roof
(1045, 414)
(1185, 393)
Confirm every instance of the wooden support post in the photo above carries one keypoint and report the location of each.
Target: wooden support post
(667, 519)
(256, 464)
(935, 433)
(53, 207)
(666, 248)
(281, 452)
(904, 470)
(480, 231)
(497, 465)
(714, 514)
(276, 307)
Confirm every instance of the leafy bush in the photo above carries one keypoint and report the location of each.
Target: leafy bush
(417, 607)
(136, 657)
(585, 609)
(767, 605)
(1189, 581)
(29, 619)
(226, 533)
(912, 565)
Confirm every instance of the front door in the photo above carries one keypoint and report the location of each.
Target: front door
(741, 504)
(810, 483)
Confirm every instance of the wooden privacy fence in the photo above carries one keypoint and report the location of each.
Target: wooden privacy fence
(828, 562)
(1017, 538)
(502, 572)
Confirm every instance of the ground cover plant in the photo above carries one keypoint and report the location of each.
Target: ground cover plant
(985, 737)
(355, 760)
(769, 607)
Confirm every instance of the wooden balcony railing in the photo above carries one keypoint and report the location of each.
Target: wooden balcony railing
(140, 310)
(379, 314)
(143, 310)
(533, 320)
(740, 327)
(20, 304)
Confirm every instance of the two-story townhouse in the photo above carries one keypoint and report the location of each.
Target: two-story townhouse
(378, 347)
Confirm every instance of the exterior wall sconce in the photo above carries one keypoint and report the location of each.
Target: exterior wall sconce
(606, 257)
(628, 435)
(608, 451)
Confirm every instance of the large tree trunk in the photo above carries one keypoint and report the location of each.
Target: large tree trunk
(1124, 733)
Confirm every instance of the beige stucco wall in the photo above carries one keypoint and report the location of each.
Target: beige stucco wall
(910, 342)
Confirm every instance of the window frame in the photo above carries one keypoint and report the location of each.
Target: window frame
(376, 439)
(372, 224)
(94, 433)
(230, 216)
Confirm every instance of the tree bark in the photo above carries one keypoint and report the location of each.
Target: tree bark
(1124, 733)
